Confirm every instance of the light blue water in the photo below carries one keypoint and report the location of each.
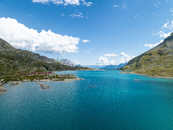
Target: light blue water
(105, 100)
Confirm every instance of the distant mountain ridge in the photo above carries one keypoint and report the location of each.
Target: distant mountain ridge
(95, 66)
(107, 67)
(114, 67)
(155, 62)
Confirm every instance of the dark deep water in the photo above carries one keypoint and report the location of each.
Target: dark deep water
(105, 100)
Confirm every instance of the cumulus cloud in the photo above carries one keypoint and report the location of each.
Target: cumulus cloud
(85, 41)
(20, 36)
(114, 59)
(164, 35)
(106, 61)
(64, 2)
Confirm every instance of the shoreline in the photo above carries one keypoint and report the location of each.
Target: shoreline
(163, 77)
(43, 80)
(2, 89)
(40, 82)
(37, 77)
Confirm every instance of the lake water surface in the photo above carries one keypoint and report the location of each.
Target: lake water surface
(104, 100)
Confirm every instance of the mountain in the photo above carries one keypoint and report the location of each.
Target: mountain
(155, 62)
(107, 67)
(14, 60)
(5, 46)
(95, 66)
(113, 67)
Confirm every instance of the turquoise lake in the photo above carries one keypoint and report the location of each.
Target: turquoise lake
(104, 100)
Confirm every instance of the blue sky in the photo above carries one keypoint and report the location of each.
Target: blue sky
(97, 31)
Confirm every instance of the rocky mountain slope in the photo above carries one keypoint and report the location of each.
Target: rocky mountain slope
(155, 62)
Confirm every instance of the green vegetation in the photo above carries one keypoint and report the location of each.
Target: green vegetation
(14, 61)
(37, 77)
(155, 62)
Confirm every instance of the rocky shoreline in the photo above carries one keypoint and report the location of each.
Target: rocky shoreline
(164, 77)
(37, 78)
(2, 89)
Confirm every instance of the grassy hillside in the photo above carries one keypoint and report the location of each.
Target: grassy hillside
(14, 60)
(155, 62)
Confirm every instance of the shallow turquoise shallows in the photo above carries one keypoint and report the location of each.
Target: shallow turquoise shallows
(104, 100)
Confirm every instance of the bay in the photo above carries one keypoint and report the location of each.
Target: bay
(104, 100)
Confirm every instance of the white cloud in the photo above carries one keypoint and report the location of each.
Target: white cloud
(57, 2)
(20, 36)
(166, 29)
(125, 57)
(122, 6)
(41, 1)
(165, 25)
(124, 54)
(168, 25)
(165, 32)
(107, 59)
(110, 55)
(85, 41)
(114, 59)
(103, 60)
(87, 3)
(64, 2)
(164, 35)
(153, 45)
(77, 15)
